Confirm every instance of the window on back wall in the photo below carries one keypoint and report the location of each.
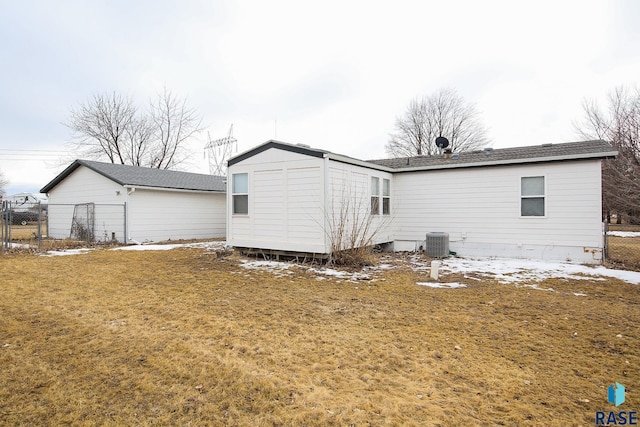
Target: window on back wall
(375, 196)
(386, 197)
(240, 193)
(532, 196)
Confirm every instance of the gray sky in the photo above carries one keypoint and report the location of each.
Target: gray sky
(330, 74)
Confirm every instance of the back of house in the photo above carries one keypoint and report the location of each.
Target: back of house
(541, 202)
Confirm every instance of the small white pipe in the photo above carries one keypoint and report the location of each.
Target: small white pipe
(435, 267)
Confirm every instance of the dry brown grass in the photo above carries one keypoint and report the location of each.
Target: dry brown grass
(182, 337)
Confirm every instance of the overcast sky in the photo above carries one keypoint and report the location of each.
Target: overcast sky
(330, 74)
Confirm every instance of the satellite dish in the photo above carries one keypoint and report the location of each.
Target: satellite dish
(442, 142)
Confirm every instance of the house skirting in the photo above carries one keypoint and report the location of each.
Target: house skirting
(550, 252)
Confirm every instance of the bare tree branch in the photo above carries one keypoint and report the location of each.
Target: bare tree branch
(110, 127)
(3, 184)
(620, 126)
(174, 123)
(444, 113)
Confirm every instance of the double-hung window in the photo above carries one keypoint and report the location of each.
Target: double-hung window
(386, 197)
(375, 195)
(532, 196)
(240, 193)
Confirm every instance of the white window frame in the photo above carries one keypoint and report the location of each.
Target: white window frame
(534, 196)
(238, 194)
(375, 195)
(386, 197)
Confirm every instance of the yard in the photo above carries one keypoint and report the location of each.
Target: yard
(186, 336)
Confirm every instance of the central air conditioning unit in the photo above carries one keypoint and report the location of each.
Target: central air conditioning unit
(437, 245)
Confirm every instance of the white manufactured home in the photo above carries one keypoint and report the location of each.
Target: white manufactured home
(541, 202)
(132, 204)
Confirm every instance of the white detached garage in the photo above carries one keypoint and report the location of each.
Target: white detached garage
(132, 204)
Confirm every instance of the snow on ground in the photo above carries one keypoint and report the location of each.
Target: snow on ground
(275, 267)
(623, 233)
(66, 252)
(154, 247)
(449, 285)
(282, 268)
(511, 270)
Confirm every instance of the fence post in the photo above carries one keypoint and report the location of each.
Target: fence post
(124, 210)
(7, 221)
(605, 251)
(39, 223)
(3, 221)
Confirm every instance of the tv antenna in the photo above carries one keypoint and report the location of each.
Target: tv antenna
(220, 150)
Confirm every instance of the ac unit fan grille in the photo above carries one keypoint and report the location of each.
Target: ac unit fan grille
(437, 245)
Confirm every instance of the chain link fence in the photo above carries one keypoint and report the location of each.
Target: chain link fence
(622, 245)
(38, 225)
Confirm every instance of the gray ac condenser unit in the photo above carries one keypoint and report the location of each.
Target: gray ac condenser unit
(437, 245)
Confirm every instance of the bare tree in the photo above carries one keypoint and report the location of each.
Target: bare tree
(620, 126)
(445, 113)
(3, 184)
(100, 127)
(174, 123)
(110, 127)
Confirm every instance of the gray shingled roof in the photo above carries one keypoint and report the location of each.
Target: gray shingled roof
(145, 177)
(503, 156)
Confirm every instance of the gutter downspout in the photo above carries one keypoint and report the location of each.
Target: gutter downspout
(130, 191)
(325, 207)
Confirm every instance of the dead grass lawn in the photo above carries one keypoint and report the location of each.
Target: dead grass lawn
(181, 337)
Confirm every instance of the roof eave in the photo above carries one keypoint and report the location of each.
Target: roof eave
(300, 149)
(356, 162)
(60, 177)
(191, 190)
(584, 156)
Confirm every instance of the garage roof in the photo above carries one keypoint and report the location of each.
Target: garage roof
(127, 175)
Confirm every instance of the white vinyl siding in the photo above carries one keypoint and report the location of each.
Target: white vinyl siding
(285, 204)
(86, 186)
(151, 214)
(355, 194)
(296, 201)
(159, 215)
(480, 208)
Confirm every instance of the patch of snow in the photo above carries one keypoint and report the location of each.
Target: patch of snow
(147, 247)
(66, 252)
(580, 294)
(347, 275)
(275, 267)
(155, 247)
(13, 245)
(450, 285)
(380, 267)
(512, 270)
(623, 233)
(539, 288)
